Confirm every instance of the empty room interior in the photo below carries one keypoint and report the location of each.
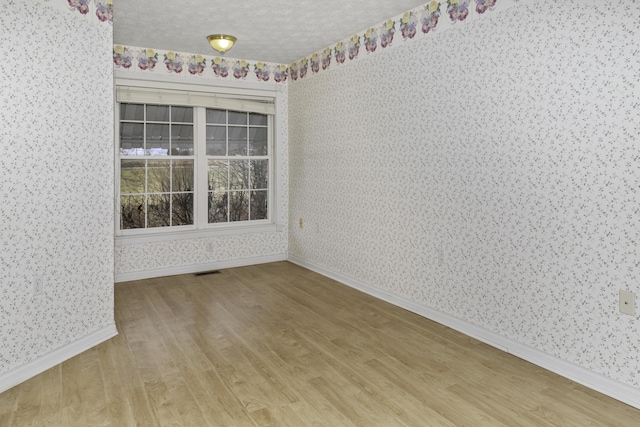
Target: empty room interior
(301, 213)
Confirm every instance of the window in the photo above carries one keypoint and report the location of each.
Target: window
(156, 166)
(188, 167)
(238, 163)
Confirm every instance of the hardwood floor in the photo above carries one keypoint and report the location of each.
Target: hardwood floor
(278, 345)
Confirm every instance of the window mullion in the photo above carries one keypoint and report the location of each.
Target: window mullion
(248, 170)
(146, 171)
(171, 164)
(271, 161)
(201, 185)
(146, 193)
(170, 196)
(228, 169)
(228, 183)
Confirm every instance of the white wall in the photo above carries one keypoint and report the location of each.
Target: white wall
(510, 144)
(56, 169)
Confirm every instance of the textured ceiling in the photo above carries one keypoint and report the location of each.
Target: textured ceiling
(280, 31)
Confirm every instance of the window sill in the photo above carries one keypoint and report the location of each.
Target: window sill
(195, 234)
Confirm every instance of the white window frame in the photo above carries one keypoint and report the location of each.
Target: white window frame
(201, 228)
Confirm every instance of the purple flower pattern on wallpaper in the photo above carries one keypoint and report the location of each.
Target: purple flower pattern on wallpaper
(315, 63)
(430, 16)
(340, 52)
(174, 62)
(427, 16)
(220, 67)
(147, 59)
(104, 10)
(326, 58)
(240, 69)
(371, 40)
(304, 67)
(280, 73)
(122, 57)
(293, 71)
(408, 25)
(483, 5)
(354, 46)
(458, 10)
(81, 6)
(262, 71)
(196, 65)
(387, 32)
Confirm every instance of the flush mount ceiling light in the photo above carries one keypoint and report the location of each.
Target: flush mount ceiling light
(221, 42)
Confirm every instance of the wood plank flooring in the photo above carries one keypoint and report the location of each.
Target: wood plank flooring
(278, 345)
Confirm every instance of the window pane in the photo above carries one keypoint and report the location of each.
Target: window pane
(182, 209)
(132, 139)
(257, 119)
(158, 208)
(218, 207)
(158, 176)
(259, 174)
(216, 141)
(157, 139)
(238, 174)
(218, 175)
(259, 205)
(157, 113)
(182, 114)
(236, 118)
(132, 112)
(182, 175)
(132, 212)
(216, 117)
(182, 140)
(237, 141)
(238, 206)
(132, 176)
(258, 141)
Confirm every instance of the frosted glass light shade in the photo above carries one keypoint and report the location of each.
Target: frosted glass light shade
(221, 42)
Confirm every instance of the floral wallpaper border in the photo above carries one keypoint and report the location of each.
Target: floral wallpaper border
(99, 10)
(422, 21)
(139, 59)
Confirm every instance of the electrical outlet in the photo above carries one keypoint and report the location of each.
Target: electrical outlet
(627, 303)
(301, 223)
(38, 285)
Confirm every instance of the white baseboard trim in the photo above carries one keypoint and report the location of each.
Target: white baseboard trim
(196, 268)
(605, 385)
(31, 369)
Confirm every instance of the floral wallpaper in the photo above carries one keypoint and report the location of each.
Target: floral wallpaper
(145, 258)
(131, 59)
(490, 172)
(423, 20)
(132, 259)
(99, 10)
(152, 257)
(56, 216)
(432, 16)
(492, 176)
